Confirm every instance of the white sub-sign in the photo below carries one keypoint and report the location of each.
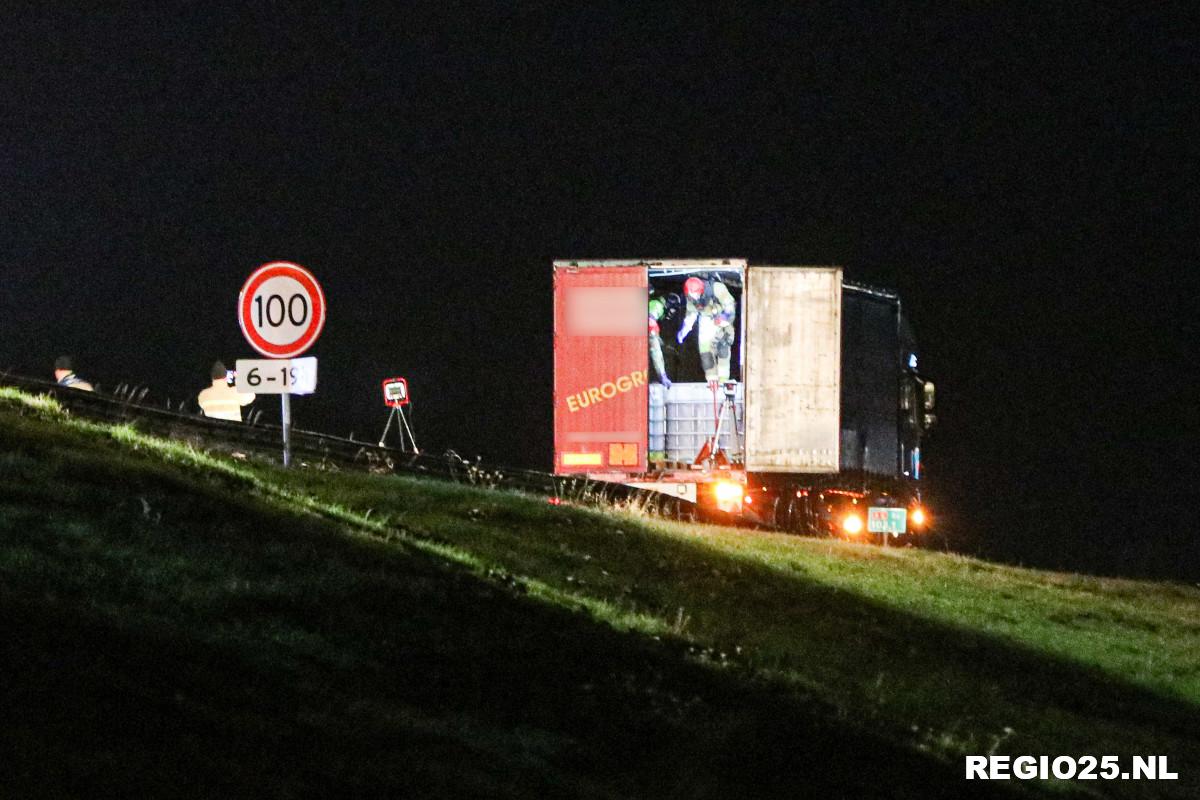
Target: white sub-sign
(277, 375)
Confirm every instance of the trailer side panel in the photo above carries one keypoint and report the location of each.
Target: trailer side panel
(871, 351)
(793, 368)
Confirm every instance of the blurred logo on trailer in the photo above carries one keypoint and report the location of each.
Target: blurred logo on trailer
(606, 310)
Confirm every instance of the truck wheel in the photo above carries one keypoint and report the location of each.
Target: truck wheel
(793, 515)
(779, 513)
(806, 520)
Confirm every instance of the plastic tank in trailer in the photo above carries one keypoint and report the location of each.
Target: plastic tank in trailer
(691, 413)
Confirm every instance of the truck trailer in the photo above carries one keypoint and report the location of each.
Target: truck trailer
(778, 395)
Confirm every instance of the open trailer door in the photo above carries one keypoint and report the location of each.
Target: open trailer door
(792, 368)
(600, 367)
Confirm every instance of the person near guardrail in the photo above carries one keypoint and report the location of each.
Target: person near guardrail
(64, 375)
(221, 400)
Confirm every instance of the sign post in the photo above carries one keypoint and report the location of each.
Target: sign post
(281, 310)
(285, 422)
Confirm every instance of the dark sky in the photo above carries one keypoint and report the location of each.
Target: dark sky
(1027, 181)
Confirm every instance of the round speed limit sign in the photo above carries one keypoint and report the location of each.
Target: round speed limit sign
(281, 309)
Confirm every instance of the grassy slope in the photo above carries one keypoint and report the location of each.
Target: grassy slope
(193, 626)
(961, 655)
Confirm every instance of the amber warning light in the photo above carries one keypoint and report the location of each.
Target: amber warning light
(395, 392)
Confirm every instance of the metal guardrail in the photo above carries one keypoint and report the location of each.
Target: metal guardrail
(310, 447)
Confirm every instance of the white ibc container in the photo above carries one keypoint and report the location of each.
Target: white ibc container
(658, 419)
(691, 420)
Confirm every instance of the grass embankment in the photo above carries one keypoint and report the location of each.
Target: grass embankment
(186, 625)
(965, 656)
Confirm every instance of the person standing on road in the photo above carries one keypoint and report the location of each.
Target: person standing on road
(712, 303)
(221, 400)
(64, 375)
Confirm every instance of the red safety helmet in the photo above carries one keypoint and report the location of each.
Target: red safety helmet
(693, 287)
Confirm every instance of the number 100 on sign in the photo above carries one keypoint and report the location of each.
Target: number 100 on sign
(281, 312)
(276, 375)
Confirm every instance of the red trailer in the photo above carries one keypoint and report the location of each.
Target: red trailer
(605, 393)
(600, 375)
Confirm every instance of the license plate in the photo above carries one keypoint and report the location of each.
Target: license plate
(886, 520)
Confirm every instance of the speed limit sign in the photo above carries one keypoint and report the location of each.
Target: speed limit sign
(281, 309)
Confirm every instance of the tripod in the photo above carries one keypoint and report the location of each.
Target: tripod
(711, 452)
(402, 429)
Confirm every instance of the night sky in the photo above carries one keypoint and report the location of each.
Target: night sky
(1027, 181)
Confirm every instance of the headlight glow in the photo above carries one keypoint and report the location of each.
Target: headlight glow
(728, 492)
(917, 516)
(852, 524)
(729, 496)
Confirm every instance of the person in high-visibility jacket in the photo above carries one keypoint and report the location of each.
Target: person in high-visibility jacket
(64, 375)
(222, 401)
(712, 303)
(657, 309)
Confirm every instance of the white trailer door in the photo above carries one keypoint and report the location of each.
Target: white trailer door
(792, 368)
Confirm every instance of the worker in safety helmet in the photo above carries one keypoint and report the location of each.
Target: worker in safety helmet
(221, 400)
(64, 375)
(712, 303)
(657, 309)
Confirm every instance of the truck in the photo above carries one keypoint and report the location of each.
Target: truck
(783, 396)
